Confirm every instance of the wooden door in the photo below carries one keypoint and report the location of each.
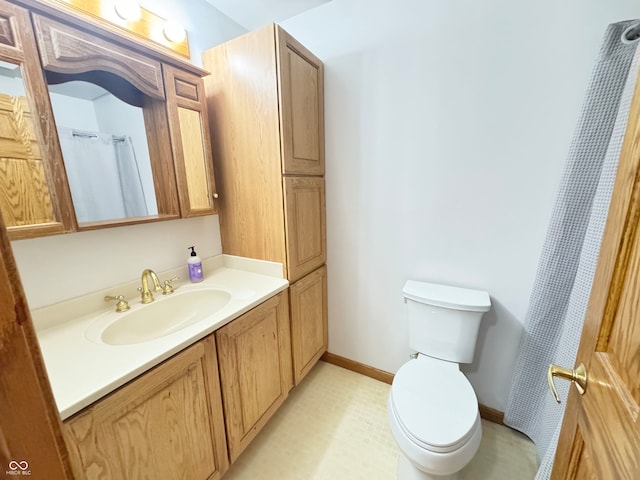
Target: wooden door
(301, 107)
(30, 430)
(167, 424)
(25, 199)
(305, 223)
(309, 332)
(255, 369)
(600, 436)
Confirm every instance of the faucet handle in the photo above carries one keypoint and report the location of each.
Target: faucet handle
(122, 305)
(168, 288)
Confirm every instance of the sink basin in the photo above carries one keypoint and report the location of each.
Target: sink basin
(164, 316)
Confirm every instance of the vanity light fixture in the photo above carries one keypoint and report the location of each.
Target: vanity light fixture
(174, 31)
(134, 19)
(128, 10)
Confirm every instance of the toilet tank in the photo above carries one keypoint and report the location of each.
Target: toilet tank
(443, 320)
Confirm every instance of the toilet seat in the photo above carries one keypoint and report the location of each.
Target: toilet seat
(434, 404)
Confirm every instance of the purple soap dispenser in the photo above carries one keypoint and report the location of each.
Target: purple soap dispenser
(195, 266)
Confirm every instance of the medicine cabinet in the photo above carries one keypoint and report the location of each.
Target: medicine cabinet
(98, 130)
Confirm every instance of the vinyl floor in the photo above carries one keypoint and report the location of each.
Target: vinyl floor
(334, 426)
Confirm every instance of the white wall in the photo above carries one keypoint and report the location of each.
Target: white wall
(65, 266)
(59, 267)
(73, 112)
(447, 125)
(206, 26)
(11, 85)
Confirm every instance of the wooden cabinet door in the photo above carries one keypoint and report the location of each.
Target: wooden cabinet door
(188, 123)
(308, 321)
(304, 199)
(254, 352)
(301, 107)
(165, 425)
(34, 196)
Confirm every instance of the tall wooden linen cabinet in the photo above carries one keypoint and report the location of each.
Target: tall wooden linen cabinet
(266, 115)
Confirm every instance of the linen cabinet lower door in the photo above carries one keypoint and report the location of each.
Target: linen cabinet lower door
(309, 330)
(254, 352)
(165, 425)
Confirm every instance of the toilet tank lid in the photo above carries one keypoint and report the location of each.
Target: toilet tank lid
(446, 296)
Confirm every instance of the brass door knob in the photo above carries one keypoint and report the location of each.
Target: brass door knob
(577, 376)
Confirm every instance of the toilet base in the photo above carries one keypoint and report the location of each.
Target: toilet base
(406, 471)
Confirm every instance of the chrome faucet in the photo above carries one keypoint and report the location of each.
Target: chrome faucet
(147, 296)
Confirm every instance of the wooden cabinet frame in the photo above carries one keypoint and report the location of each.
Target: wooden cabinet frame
(65, 49)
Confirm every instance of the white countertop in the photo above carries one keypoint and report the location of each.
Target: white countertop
(82, 370)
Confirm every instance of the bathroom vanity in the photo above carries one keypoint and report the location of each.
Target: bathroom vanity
(185, 397)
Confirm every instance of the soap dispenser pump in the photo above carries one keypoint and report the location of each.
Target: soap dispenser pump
(195, 266)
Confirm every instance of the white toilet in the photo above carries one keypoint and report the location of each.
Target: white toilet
(432, 407)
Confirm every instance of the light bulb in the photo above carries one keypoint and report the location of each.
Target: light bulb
(128, 10)
(174, 31)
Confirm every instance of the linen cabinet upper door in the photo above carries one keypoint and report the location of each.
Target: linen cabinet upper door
(304, 199)
(188, 122)
(302, 108)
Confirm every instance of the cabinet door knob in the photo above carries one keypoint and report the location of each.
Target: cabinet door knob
(215, 195)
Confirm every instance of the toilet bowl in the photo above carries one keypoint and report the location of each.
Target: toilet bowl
(432, 407)
(434, 418)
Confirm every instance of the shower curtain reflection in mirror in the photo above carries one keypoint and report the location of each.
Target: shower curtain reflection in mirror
(103, 174)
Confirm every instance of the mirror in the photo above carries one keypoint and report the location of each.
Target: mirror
(25, 198)
(105, 150)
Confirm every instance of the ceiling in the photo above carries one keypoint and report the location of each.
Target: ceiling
(252, 14)
(78, 89)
